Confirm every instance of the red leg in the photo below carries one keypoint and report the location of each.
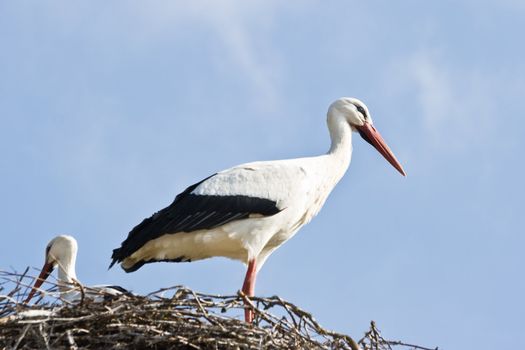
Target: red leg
(248, 287)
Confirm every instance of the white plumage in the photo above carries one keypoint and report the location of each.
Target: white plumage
(248, 211)
(299, 186)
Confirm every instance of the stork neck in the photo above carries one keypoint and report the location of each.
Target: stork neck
(341, 136)
(66, 274)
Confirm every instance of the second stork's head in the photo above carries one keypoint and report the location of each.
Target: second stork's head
(61, 252)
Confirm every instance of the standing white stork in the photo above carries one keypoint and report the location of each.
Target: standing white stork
(61, 252)
(248, 211)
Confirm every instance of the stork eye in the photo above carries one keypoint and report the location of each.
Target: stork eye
(361, 110)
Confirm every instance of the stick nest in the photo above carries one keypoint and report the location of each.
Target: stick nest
(170, 318)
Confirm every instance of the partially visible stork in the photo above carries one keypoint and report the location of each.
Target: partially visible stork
(248, 211)
(61, 252)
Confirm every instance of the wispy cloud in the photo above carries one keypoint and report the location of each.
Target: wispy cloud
(455, 103)
(240, 31)
(240, 28)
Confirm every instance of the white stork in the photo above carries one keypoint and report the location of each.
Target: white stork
(248, 211)
(61, 252)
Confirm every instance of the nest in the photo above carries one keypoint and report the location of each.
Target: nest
(170, 318)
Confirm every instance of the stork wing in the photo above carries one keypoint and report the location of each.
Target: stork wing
(197, 210)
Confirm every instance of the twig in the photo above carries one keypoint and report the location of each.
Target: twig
(24, 332)
(71, 340)
(400, 343)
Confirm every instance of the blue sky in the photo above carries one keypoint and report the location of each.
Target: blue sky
(108, 110)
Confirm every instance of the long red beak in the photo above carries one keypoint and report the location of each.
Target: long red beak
(373, 137)
(46, 271)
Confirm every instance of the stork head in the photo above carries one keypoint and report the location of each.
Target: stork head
(356, 114)
(61, 251)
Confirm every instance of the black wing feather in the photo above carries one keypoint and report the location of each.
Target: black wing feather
(190, 212)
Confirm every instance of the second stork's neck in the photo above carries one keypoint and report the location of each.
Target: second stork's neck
(66, 273)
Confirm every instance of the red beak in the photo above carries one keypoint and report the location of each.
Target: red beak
(46, 271)
(373, 137)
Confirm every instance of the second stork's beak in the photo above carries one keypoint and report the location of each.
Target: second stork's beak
(46, 271)
(373, 137)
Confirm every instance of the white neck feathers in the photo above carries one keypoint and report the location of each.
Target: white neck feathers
(66, 273)
(340, 152)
